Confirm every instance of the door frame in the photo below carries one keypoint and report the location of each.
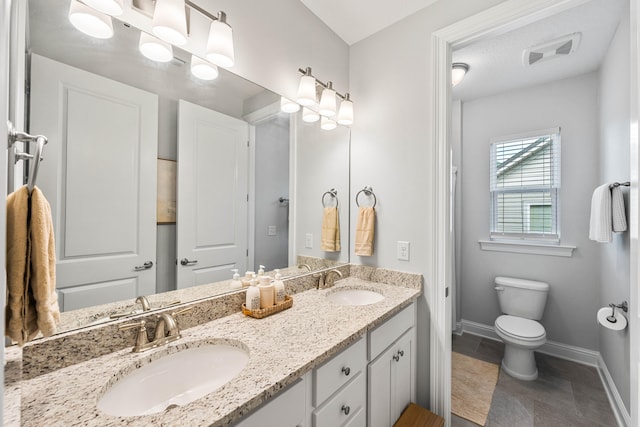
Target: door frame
(497, 20)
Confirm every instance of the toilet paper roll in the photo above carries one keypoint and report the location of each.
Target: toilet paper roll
(618, 325)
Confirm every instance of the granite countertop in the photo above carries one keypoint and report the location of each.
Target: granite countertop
(282, 348)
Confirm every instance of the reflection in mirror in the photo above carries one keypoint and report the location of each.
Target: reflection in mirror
(110, 114)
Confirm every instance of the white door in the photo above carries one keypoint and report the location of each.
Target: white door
(99, 175)
(211, 196)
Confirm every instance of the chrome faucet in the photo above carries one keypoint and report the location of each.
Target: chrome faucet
(328, 281)
(305, 266)
(320, 277)
(144, 302)
(166, 328)
(166, 331)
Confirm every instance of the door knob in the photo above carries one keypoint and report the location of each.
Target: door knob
(185, 262)
(147, 265)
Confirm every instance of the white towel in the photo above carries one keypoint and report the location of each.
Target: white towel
(617, 210)
(600, 223)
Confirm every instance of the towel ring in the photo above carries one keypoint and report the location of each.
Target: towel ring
(368, 191)
(333, 193)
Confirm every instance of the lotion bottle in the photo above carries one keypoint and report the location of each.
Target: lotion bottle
(253, 296)
(246, 280)
(278, 284)
(267, 292)
(261, 271)
(235, 282)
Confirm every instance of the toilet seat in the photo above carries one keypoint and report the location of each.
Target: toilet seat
(520, 328)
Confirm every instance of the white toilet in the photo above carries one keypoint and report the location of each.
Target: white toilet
(522, 302)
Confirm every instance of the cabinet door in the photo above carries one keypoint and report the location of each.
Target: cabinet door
(402, 374)
(286, 410)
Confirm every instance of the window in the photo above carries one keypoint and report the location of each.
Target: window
(525, 181)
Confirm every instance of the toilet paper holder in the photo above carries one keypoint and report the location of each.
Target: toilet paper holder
(623, 305)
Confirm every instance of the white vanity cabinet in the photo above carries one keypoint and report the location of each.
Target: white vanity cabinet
(392, 370)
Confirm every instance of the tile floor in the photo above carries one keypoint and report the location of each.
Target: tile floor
(565, 394)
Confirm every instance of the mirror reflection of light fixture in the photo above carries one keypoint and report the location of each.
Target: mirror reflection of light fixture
(328, 101)
(309, 116)
(458, 71)
(110, 7)
(307, 89)
(345, 112)
(170, 21)
(288, 106)
(154, 48)
(202, 69)
(220, 43)
(327, 124)
(90, 21)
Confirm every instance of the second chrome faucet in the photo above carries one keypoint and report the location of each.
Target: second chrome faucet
(166, 331)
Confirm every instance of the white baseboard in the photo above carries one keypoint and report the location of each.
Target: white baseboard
(574, 354)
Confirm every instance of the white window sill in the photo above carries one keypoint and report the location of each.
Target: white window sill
(526, 248)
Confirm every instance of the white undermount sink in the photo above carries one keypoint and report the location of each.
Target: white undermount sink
(354, 297)
(175, 379)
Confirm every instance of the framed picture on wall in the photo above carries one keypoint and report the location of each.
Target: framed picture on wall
(166, 210)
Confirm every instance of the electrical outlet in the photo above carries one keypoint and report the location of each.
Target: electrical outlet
(403, 251)
(271, 230)
(308, 241)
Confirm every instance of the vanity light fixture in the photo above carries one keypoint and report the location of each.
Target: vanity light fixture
(328, 101)
(202, 69)
(345, 113)
(458, 71)
(90, 21)
(327, 124)
(307, 88)
(288, 106)
(110, 7)
(309, 116)
(170, 21)
(220, 43)
(154, 48)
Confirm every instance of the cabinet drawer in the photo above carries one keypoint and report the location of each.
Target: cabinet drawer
(338, 371)
(384, 335)
(287, 409)
(345, 406)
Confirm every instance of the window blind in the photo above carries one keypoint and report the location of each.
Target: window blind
(524, 186)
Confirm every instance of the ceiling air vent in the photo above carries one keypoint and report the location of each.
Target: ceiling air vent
(557, 48)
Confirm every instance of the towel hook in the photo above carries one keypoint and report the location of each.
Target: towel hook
(14, 136)
(333, 193)
(618, 184)
(368, 191)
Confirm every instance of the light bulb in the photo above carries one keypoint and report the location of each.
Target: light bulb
(90, 21)
(307, 91)
(328, 101)
(154, 48)
(202, 69)
(309, 115)
(220, 42)
(288, 106)
(170, 21)
(110, 7)
(327, 124)
(345, 113)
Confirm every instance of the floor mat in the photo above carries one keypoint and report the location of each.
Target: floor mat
(472, 384)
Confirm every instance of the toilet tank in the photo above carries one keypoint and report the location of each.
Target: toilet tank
(520, 297)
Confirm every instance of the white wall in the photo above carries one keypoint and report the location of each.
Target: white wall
(390, 74)
(614, 149)
(573, 296)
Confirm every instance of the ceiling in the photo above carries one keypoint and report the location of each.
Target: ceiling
(354, 20)
(496, 64)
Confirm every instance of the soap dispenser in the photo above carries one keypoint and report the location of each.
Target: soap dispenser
(267, 292)
(235, 282)
(247, 278)
(278, 284)
(253, 296)
(261, 271)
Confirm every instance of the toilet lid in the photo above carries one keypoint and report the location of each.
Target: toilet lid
(520, 327)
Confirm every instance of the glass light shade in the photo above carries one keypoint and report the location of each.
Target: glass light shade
(220, 44)
(458, 71)
(110, 7)
(309, 115)
(170, 21)
(345, 113)
(328, 103)
(90, 21)
(154, 48)
(288, 106)
(307, 91)
(327, 124)
(202, 69)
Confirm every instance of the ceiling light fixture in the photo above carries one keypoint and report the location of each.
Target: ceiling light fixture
(154, 48)
(288, 106)
(220, 43)
(170, 21)
(458, 71)
(110, 7)
(90, 21)
(204, 70)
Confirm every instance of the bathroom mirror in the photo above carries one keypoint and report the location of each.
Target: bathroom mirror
(307, 161)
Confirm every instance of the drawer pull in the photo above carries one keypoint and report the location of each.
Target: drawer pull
(346, 371)
(396, 357)
(401, 353)
(346, 409)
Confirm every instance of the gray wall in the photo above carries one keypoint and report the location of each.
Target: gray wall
(574, 295)
(614, 149)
